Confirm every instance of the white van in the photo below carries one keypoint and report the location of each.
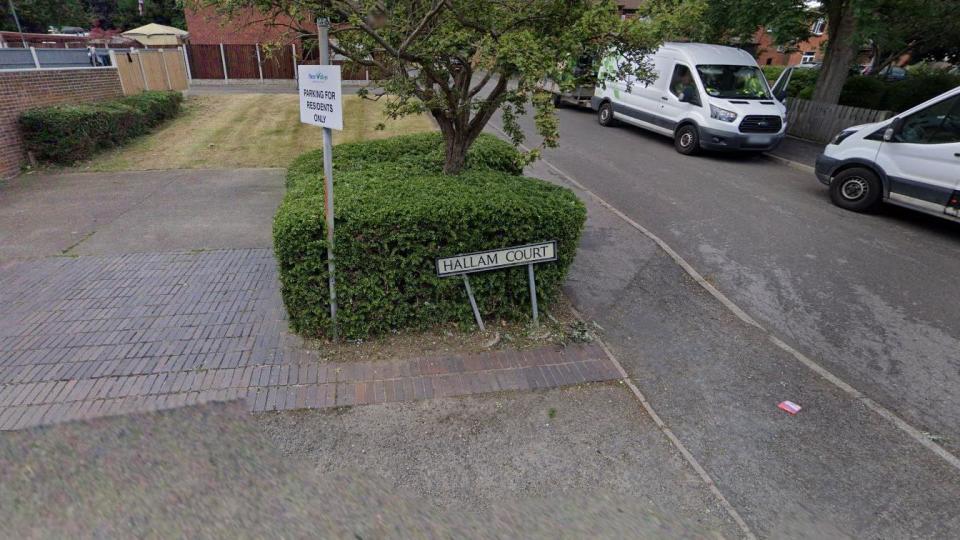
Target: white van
(911, 160)
(705, 96)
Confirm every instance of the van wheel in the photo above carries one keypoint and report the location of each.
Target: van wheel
(857, 189)
(557, 101)
(687, 140)
(605, 115)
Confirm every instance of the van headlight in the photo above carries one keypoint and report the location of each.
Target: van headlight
(722, 114)
(839, 138)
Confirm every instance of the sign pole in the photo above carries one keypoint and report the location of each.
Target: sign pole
(323, 31)
(473, 303)
(533, 295)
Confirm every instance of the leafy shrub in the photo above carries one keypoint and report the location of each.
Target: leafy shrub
(918, 87)
(772, 73)
(396, 213)
(65, 134)
(862, 91)
(802, 82)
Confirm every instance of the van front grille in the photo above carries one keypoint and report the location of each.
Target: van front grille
(760, 124)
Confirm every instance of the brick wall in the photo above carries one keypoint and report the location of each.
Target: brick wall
(207, 27)
(25, 89)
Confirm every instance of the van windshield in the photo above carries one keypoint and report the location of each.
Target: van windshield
(737, 82)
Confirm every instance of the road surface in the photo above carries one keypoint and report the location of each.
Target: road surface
(869, 297)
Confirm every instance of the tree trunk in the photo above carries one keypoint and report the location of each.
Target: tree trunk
(840, 53)
(455, 155)
(455, 143)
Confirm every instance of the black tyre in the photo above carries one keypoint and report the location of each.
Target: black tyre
(557, 101)
(605, 115)
(687, 140)
(857, 189)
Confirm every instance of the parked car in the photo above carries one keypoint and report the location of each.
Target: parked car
(579, 94)
(705, 97)
(911, 160)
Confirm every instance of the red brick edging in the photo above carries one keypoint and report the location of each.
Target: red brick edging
(305, 385)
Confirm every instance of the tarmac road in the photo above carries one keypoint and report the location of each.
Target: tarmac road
(868, 297)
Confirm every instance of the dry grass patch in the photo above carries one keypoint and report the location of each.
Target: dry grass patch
(246, 130)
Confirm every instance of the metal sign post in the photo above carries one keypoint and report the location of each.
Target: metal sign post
(473, 303)
(533, 295)
(323, 31)
(529, 255)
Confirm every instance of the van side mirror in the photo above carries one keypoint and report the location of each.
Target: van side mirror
(894, 129)
(780, 95)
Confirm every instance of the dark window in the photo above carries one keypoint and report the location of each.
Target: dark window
(937, 124)
(683, 82)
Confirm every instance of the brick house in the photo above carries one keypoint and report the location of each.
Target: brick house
(803, 52)
(207, 27)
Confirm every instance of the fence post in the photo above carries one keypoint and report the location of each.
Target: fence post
(143, 74)
(186, 64)
(36, 60)
(223, 60)
(259, 65)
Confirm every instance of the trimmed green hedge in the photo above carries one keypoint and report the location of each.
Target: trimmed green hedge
(396, 213)
(65, 134)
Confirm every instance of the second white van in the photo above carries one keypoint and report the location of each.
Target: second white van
(707, 97)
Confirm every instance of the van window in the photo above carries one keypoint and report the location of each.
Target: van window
(736, 82)
(682, 81)
(937, 124)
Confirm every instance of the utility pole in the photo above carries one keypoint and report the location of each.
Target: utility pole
(16, 19)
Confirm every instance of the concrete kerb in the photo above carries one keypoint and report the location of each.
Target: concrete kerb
(790, 163)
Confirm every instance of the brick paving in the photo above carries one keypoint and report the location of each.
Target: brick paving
(98, 336)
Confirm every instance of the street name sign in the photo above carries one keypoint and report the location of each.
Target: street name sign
(481, 261)
(321, 99)
(497, 258)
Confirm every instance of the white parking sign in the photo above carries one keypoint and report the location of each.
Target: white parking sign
(321, 103)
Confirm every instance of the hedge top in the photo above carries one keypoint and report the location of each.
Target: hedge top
(397, 212)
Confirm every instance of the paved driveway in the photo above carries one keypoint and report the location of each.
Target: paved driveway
(141, 291)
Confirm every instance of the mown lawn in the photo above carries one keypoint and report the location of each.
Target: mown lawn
(245, 130)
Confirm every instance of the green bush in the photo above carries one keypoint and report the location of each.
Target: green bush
(65, 134)
(772, 73)
(802, 82)
(396, 213)
(918, 87)
(863, 91)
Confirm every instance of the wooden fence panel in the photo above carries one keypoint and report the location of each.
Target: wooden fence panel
(205, 61)
(176, 71)
(152, 63)
(821, 121)
(128, 67)
(277, 62)
(241, 61)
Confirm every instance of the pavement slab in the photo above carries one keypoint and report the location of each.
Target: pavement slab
(148, 331)
(214, 471)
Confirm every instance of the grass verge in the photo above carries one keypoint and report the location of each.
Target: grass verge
(246, 130)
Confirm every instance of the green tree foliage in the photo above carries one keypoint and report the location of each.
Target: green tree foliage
(39, 15)
(463, 60)
(168, 12)
(923, 28)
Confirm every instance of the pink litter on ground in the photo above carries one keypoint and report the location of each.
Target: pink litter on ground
(789, 406)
